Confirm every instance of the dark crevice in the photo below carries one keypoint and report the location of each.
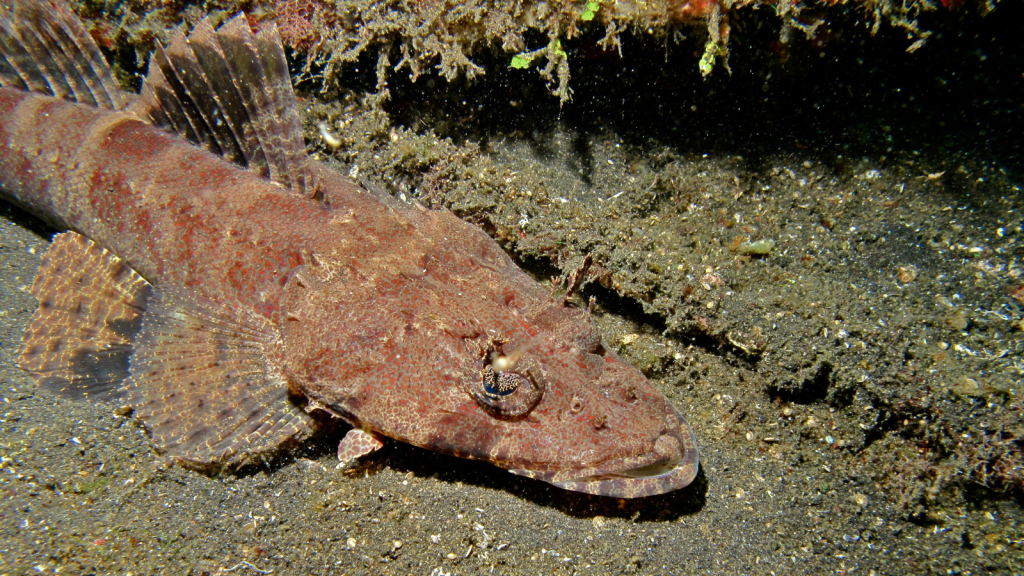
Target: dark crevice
(857, 93)
(891, 421)
(628, 308)
(809, 391)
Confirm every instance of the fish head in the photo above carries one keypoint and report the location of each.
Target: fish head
(461, 352)
(567, 410)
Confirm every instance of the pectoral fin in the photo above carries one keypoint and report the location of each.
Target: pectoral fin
(90, 310)
(206, 381)
(203, 377)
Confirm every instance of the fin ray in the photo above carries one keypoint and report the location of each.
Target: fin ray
(286, 128)
(204, 44)
(230, 90)
(257, 67)
(90, 308)
(88, 61)
(47, 50)
(9, 75)
(205, 383)
(162, 107)
(180, 54)
(20, 69)
(196, 129)
(37, 68)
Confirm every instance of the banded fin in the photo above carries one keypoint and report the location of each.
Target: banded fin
(206, 382)
(230, 90)
(46, 49)
(356, 444)
(202, 378)
(90, 309)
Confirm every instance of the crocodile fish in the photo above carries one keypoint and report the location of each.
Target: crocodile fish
(237, 295)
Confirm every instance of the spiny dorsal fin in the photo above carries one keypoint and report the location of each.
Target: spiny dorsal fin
(230, 91)
(206, 381)
(90, 309)
(45, 49)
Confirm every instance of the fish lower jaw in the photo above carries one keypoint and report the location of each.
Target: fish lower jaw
(673, 464)
(648, 480)
(639, 482)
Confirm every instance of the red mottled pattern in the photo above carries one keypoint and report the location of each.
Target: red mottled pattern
(387, 315)
(357, 443)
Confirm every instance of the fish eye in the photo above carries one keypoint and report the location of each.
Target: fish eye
(508, 395)
(501, 383)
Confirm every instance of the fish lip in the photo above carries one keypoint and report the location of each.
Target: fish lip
(673, 464)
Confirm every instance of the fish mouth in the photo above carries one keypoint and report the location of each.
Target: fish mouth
(673, 464)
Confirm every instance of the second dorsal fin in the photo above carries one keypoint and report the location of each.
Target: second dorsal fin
(44, 48)
(229, 90)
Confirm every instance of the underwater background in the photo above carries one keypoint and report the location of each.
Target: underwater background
(805, 226)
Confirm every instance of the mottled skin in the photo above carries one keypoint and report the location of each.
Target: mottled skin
(389, 315)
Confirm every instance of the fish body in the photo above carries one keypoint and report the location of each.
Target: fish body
(232, 291)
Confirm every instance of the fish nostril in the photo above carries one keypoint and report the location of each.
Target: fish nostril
(631, 393)
(576, 406)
